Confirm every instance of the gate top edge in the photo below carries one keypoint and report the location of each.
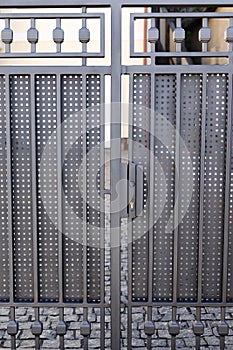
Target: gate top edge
(102, 3)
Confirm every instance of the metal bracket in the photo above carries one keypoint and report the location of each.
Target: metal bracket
(131, 190)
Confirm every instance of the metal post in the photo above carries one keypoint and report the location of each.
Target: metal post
(115, 173)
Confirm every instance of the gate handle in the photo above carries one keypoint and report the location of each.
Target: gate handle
(135, 190)
(131, 190)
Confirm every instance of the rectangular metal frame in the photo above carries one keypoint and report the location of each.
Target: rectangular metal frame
(116, 70)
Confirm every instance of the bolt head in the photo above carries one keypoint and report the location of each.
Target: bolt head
(149, 328)
(7, 36)
(229, 34)
(58, 35)
(198, 328)
(223, 328)
(179, 35)
(12, 328)
(153, 35)
(37, 328)
(84, 35)
(204, 35)
(33, 35)
(61, 328)
(173, 328)
(85, 329)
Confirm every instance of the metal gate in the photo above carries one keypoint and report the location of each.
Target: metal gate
(173, 195)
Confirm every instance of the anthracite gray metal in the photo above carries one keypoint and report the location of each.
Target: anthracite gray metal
(191, 265)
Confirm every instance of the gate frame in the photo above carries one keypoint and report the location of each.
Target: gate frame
(115, 165)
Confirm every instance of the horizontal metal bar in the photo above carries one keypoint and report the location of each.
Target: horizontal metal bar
(104, 3)
(51, 15)
(182, 15)
(169, 69)
(55, 4)
(179, 304)
(184, 54)
(50, 304)
(53, 55)
(178, 3)
(105, 70)
(172, 54)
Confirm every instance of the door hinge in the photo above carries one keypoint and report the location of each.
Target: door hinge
(131, 190)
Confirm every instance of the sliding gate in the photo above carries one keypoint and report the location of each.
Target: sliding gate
(171, 202)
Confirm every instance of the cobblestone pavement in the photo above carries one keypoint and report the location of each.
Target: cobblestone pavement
(73, 317)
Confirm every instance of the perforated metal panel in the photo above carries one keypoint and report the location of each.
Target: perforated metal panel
(192, 108)
(21, 183)
(48, 239)
(190, 130)
(140, 138)
(165, 106)
(73, 229)
(4, 256)
(214, 185)
(93, 186)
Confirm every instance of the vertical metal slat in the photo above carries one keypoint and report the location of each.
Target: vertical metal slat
(34, 202)
(10, 203)
(176, 211)
(227, 203)
(84, 116)
(151, 205)
(102, 213)
(201, 203)
(60, 202)
(115, 173)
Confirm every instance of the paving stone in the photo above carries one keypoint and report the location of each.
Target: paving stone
(94, 343)
(22, 319)
(191, 342)
(161, 325)
(75, 325)
(167, 317)
(187, 317)
(229, 340)
(159, 343)
(49, 334)
(26, 334)
(186, 333)
(68, 311)
(180, 343)
(29, 344)
(4, 311)
(3, 325)
(69, 318)
(69, 335)
(51, 318)
(137, 318)
(92, 317)
(25, 325)
(52, 311)
(208, 317)
(7, 344)
(95, 334)
(48, 344)
(138, 342)
(163, 333)
(73, 344)
(20, 311)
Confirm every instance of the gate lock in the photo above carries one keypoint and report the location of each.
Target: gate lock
(131, 190)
